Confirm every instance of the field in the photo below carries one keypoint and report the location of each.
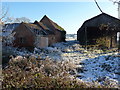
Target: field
(63, 65)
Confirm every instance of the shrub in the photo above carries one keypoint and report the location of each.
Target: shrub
(103, 42)
(24, 72)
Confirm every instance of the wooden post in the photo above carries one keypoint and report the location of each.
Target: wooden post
(111, 42)
(119, 41)
(85, 37)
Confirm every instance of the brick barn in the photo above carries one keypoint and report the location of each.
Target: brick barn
(59, 32)
(38, 34)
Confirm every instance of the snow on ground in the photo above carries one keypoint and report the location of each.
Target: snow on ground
(91, 65)
(8, 28)
(100, 68)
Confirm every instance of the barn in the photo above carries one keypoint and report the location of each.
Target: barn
(31, 35)
(100, 30)
(38, 34)
(59, 32)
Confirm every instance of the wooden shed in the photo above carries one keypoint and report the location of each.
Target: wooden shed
(100, 30)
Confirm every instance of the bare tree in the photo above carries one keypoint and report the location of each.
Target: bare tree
(4, 13)
(6, 18)
(22, 19)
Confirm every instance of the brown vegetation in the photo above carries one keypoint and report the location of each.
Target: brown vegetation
(35, 73)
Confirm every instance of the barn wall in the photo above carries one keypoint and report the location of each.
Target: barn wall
(28, 37)
(103, 37)
(59, 36)
(44, 42)
(41, 41)
(81, 36)
(63, 36)
(51, 39)
(95, 36)
(114, 40)
(47, 23)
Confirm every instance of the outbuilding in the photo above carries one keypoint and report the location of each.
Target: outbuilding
(100, 30)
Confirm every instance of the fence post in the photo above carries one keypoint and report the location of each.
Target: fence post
(85, 37)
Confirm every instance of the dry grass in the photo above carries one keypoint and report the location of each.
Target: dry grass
(31, 73)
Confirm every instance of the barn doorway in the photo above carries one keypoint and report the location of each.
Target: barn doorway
(118, 40)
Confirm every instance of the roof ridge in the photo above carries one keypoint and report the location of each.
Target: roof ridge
(45, 16)
(100, 15)
(27, 26)
(55, 25)
(40, 24)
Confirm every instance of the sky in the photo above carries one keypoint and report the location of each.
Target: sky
(69, 15)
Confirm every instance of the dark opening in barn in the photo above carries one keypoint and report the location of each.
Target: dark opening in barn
(118, 39)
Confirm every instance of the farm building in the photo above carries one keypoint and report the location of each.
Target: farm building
(100, 30)
(29, 35)
(37, 34)
(59, 32)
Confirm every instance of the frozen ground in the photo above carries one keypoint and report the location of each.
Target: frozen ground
(90, 65)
